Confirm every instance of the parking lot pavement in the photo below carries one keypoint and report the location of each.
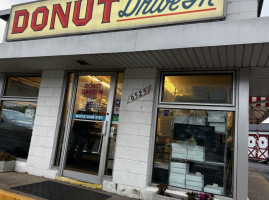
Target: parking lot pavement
(258, 182)
(262, 168)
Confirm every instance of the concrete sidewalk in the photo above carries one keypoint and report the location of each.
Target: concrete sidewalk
(258, 184)
(12, 179)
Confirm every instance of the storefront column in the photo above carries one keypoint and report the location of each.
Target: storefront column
(44, 132)
(133, 139)
(241, 170)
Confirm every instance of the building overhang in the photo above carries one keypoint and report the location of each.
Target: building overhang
(221, 33)
(260, 6)
(201, 46)
(4, 14)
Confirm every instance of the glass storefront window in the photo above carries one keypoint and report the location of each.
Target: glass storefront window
(85, 143)
(22, 86)
(205, 88)
(92, 95)
(16, 126)
(194, 150)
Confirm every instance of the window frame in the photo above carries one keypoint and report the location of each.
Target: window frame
(163, 74)
(3, 84)
(233, 107)
(4, 87)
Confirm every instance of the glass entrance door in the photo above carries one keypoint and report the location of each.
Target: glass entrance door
(87, 130)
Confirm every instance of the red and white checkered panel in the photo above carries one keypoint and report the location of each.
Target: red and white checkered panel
(254, 99)
(258, 146)
(251, 147)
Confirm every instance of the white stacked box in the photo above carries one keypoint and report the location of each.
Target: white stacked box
(195, 182)
(179, 165)
(195, 177)
(182, 151)
(217, 120)
(219, 126)
(215, 189)
(190, 152)
(216, 116)
(195, 147)
(181, 119)
(196, 153)
(200, 93)
(179, 153)
(179, 150)
(177, 180)
(198, 118)
(179, 145)
(200, 189)
(178, 173)
(218, 94)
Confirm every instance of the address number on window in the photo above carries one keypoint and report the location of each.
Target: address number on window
(138, 94)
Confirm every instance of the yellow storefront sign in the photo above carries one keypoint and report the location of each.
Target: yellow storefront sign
(65, 17)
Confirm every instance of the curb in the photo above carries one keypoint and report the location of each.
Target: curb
(4, 195)
(76, 182)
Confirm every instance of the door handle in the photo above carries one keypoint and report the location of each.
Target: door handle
(104, 128)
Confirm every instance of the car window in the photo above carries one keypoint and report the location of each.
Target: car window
(14, 115)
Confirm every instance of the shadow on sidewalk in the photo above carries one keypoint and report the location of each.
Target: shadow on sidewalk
(14, 179)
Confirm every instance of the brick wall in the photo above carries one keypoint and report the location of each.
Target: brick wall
(241, 9)
(44, 131)
(133, 139)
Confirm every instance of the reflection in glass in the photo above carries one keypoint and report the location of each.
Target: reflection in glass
(198, 88)
(85, 138)
(92, 94)
(16, 127)
(84, 146)
(22, 86)
(194, 150)
(114, 126)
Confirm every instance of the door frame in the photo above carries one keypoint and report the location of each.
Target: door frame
(106, 129)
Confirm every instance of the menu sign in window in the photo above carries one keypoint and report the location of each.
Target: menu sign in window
(65, 17)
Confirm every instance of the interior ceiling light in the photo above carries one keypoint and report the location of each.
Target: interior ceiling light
(26, 81)
(170, 87)
(102, 82)
(94, 78)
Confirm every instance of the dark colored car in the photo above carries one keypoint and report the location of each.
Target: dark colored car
(15, 133)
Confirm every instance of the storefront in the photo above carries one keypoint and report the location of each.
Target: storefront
(131, 104)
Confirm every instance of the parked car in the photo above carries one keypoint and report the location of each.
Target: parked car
(15, 133)
(17, 118)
